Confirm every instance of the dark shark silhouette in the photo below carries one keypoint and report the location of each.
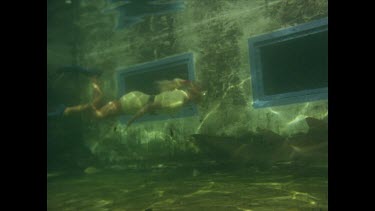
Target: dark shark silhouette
(267, 148)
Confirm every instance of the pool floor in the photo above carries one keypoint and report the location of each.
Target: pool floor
(188, 189)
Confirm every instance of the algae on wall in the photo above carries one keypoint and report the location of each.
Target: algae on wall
(216, 32)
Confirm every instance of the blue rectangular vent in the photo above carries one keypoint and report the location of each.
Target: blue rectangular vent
(290, 65)
(142, 78)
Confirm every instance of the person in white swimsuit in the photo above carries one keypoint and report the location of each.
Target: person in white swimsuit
(174, 94)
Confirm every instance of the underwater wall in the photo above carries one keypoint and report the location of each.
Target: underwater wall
(217, 33)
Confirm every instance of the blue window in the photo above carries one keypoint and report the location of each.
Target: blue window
(290, 65)
(142, 78)
(131, 12)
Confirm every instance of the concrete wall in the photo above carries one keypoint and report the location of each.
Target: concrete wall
(216, 32)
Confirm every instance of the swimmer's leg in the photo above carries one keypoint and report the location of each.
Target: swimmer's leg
(58, 112)
(112, 108)
(98, 95)
(76, 109)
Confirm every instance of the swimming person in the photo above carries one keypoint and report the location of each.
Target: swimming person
(174, 94)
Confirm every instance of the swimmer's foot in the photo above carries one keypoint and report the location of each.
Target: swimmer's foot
(59, 111)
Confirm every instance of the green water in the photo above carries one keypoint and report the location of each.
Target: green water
(228, 156)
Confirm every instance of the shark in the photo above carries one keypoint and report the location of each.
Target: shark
(267, 147)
